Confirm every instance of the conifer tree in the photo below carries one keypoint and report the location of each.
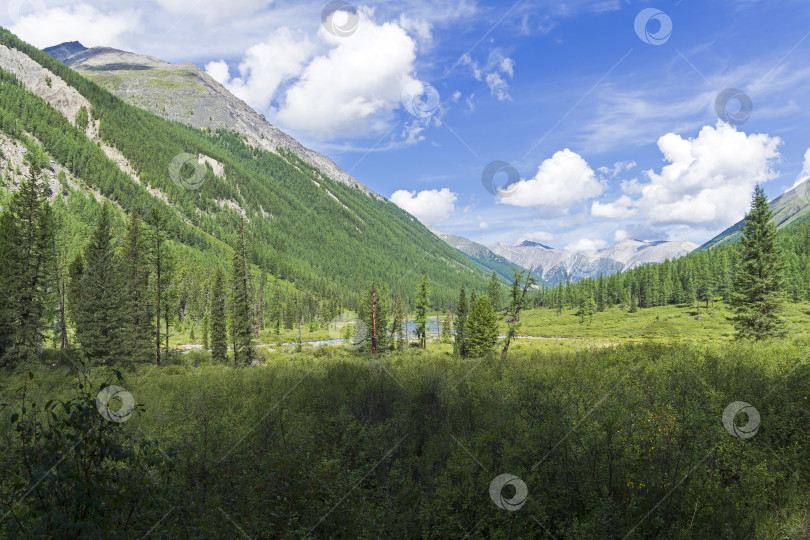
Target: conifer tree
(26, 250)
(373, 312)
(759, 279)
(520, 286)
(633, 303)
(421, 312)
(482, 328)
(447, 329)
(136, 307)
(242, 326)
(97, 299)
(205, 323)
(460, 347)
(397, 332)
(159, 255)
(219, 336)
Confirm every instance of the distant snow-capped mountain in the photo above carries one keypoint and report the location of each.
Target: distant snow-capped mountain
(552, 264)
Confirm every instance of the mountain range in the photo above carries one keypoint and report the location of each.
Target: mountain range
(111, 130)
(185, 93)
(553, 265)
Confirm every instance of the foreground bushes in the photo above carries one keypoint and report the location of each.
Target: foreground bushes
(614, 443)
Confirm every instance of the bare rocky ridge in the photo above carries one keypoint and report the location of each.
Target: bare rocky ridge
(43, 83)
(187, 94)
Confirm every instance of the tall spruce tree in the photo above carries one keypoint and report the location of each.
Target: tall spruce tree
(482, 328)
(759, 280)
(26, 250)
(242, 325)
(460, 346)
(219, 332)
(421, 312)
(96, 295)
(136, 305)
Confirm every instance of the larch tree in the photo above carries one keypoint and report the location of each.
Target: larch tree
(159, 255)
(372, 312)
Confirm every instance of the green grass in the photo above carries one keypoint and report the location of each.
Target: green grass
(666, 323)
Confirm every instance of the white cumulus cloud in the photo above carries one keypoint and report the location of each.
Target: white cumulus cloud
(561, 180)
(621, 208)
(428, 206)
(265, 67)
(80, 22)
(709, 179)
(354, 87)
(805, 174)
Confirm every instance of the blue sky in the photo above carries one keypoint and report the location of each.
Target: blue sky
(610, 133)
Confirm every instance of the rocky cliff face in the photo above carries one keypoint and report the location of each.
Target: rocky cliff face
(185, 93)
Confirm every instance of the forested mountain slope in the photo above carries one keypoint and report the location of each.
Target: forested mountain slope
(187, 94)
(326, 237)
(480, 255)
(792, 207)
